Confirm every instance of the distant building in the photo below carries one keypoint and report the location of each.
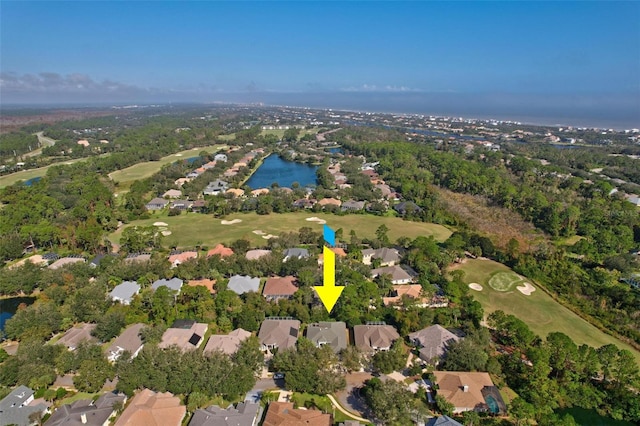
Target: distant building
(387, 256)
(76, 335)
(157, 204)
(241, 284)
(398, 275)
(129, 340)
(298, 253)
(172, 193)
(174, 284)
(125, 292)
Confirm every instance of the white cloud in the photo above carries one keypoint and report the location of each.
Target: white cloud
(368, 88)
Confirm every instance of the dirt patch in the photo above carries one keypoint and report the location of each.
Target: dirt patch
(526, 289)
(475, 286)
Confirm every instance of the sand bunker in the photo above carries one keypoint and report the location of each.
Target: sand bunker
(316, 219)
(178, 155)
(160, 224)
(258, 232)
(475, 286)
(268, 237)
(166, 233)
(526, 289)
(230, 222)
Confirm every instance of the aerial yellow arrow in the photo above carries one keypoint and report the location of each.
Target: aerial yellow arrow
(328, 292)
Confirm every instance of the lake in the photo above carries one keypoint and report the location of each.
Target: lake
(283, 172)
(8, 307)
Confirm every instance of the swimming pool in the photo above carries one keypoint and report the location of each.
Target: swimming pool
(493, 404)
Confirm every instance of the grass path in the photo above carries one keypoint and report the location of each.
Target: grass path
(189, 229)
(541, 313)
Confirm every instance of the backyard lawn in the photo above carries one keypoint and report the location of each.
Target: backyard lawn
(541, 313)
(190, 229)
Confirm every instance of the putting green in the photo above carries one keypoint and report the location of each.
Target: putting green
(505, 281)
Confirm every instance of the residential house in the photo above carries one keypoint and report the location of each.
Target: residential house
(88, 411)
(205, 282)
(75, 335)
(129, 340)
(332, 333)
(149, 408)
(220, 157)
(226, 343)
(299, 253)
(176, 258)
(194, 174)
(397, 274)
(198, 206)
(277, 288)
(216, 187)
(95, 262)
(236, 192)
(352, 205)
(174, 284)
(413, 291)
(330, 202)
(243, 414)
(185, 334)
(18, 406)
(182, 205)
(387, 256)
(157, 204)
(241, 284)
(443, 421)
(138, 257)
(339, 251)
(278, 333)
(69, 260)
(304, 203)
(374, 337)
(172, 193)
(220, 250)
(181, 181)
(433, 342)
(259, 191)
(124, 292)
(209, 165)
(283, 414)
(256, 254)
(407, 207)
(469, 391)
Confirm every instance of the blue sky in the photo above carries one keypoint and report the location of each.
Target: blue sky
(207, 50)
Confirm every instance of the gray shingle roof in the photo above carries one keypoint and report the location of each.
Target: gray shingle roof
(13, 408)
(282, 334)
(174, 284)
(434, 341)
(96, 413)
(243, 414)
(241, 284)
(124, 292)
(333, 334)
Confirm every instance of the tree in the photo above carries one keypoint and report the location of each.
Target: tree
(465, 355)
(92, 374)
(471, 418)
(109, 325)
(521, 411)
(381, 234)
(392, 360)
(444, 406)
(390, 401)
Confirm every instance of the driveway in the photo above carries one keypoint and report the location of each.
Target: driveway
(262, 385)
(350, 397)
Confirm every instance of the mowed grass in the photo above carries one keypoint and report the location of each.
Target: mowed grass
(190, 229)
(148, 168)
(505, 281)
(539, 311)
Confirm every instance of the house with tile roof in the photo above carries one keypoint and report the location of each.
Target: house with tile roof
(129, 340)
(397, 274)
(226, 343)
(87, 411)
(257, 254)
(172, 193)
(243, 414)
(374, 337)
(277, 288)
(220, 250)
(339, 251)
(18, 405)
(469, 391)
(76, 335)
(185, 334)
(433, 342)
(149, 408)
(204, 282)
(283, 414)
(387, 256)
(278, 333)
(124, 292)
(331, 333)
(412, 291)
(241, 284)
(180, 257)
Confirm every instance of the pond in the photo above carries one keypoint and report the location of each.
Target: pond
(8, 308)
(283, 172)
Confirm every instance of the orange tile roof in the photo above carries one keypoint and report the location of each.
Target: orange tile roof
(451, 386)
(411, 290)
(209, 284)
(283, 414)
(220, 250)
(183, 257)
(153, 409)
(276, 286)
